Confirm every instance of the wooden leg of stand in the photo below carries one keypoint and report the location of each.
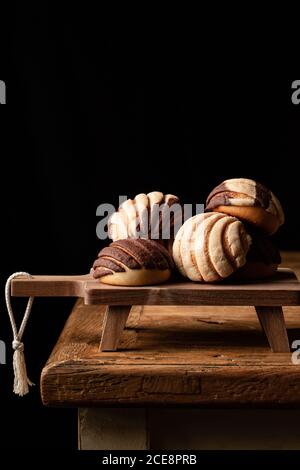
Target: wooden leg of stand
(273, 324)
(113, 325)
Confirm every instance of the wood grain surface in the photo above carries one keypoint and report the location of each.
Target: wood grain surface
(114, 321)
(273, 324)
(283, 289)
(173, 355)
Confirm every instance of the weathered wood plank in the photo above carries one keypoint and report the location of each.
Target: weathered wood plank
(196, 356)
(208, 357)
(79, 385)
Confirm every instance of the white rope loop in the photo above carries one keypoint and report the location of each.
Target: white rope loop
(21, 381)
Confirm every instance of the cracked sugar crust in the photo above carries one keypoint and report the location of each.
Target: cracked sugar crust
(210, 247)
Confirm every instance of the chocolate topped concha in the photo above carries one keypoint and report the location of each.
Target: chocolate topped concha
(210, 247)
(263, 259)
(133, 262)
(249, 201)
(149, 216)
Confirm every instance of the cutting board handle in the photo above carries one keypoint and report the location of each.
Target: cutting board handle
(50, 286)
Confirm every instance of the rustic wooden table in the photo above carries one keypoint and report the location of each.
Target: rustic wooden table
(195, 363)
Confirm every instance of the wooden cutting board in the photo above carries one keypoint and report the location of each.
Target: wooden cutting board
(282, 289)
(266, 296)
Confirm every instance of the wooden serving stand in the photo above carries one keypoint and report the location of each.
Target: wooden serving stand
(268, 297)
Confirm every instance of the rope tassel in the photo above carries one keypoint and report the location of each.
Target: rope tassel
(21, 381)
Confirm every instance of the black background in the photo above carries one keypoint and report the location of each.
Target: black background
(93, 114)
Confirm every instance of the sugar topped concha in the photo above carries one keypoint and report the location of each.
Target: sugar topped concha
(210, 247)
(148, 216)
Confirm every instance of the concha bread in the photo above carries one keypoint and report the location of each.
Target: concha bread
(249, 201)
(148, 216)
(210, 247)
(133, 262)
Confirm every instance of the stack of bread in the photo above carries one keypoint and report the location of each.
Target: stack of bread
(143, 233)
(231, 239)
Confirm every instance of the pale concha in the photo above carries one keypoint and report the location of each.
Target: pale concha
(210, 247)
(149, 216)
